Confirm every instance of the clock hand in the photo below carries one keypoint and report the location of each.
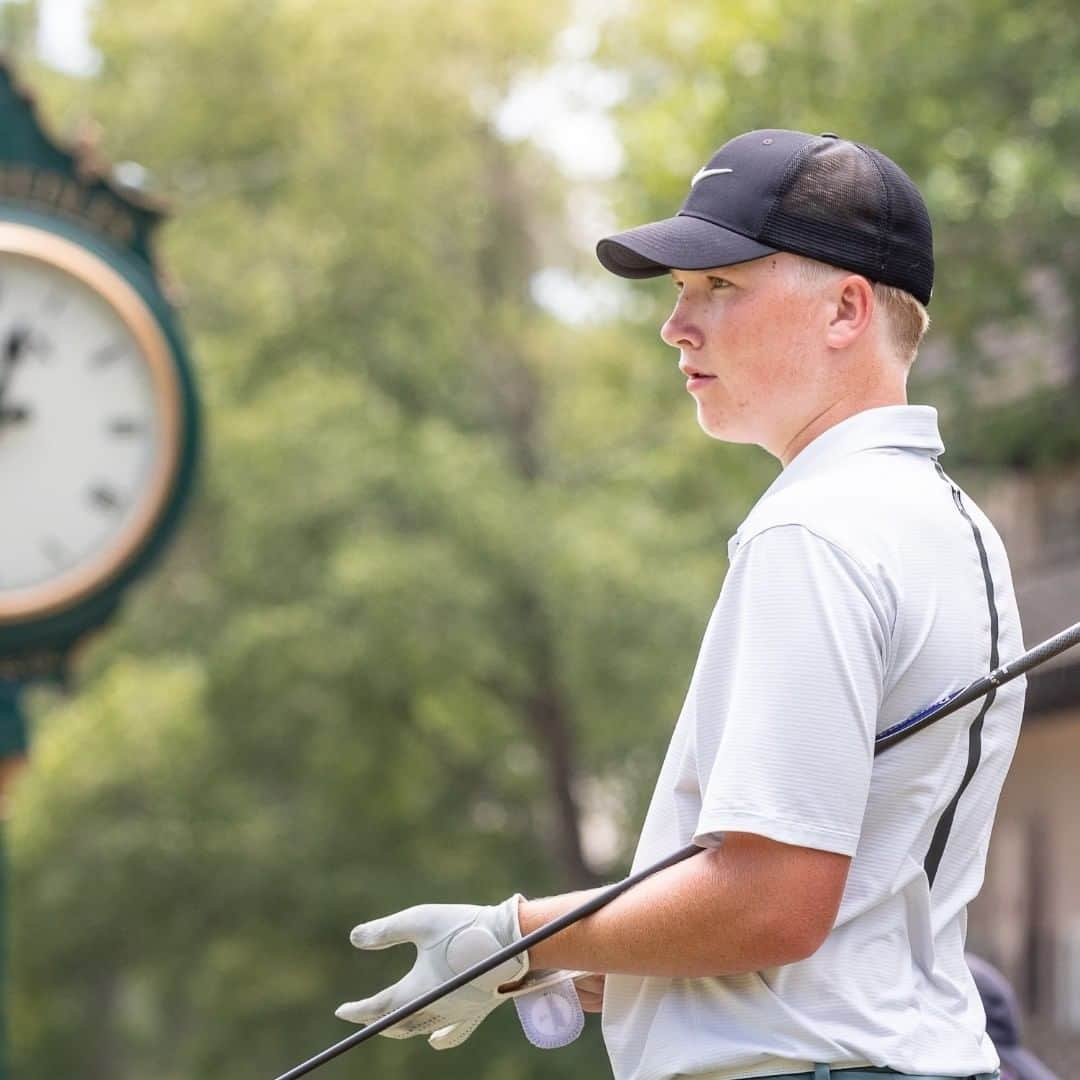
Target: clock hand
(13, 352)
(14, 414)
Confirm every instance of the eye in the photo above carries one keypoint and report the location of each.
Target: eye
(719, 283)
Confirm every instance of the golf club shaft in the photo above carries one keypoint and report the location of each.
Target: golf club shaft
(887, 739)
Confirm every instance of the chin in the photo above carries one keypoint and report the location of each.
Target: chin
(722, 430)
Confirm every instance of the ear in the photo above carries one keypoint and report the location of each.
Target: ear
(852, 300)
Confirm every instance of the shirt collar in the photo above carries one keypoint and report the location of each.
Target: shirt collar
(902, 427)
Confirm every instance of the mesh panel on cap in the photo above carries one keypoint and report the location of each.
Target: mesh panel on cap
(911, 251)
(848, 205)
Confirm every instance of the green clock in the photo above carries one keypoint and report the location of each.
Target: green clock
(98, 408)
(91, 422)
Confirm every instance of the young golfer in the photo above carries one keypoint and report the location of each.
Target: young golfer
(821, 932)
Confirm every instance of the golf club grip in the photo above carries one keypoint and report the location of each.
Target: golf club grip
(1066, 639)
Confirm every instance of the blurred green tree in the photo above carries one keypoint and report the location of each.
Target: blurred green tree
(434, 612)
(441, 589)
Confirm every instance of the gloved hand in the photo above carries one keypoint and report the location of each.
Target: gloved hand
(449, 938)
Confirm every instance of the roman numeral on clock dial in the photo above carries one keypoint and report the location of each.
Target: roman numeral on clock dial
(109, 354)
(104, 497)
(123, 427)
(54, 551)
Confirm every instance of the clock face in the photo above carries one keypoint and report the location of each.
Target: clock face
(89, 422)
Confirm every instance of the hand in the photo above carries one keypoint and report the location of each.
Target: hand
(449, 938)
(590, 992)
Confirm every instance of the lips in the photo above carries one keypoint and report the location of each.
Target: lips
(696, 379)
(692, 372)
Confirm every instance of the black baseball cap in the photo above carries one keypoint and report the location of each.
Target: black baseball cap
(773, 190)
(1003, 1023)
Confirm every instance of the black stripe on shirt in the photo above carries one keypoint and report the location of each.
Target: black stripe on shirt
(945, 823)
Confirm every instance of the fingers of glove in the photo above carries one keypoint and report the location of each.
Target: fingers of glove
(423, 924)
(412, 924)
(368, 1010)
(421, 1023)
(448, 1037)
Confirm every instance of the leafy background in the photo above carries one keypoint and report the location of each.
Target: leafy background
(429, 622)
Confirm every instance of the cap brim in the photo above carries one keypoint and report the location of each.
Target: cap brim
(681, 243)
(1024, 1065)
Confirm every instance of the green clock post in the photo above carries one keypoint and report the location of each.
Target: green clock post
(98, 413)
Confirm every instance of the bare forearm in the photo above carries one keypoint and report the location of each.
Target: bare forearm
(714, 914)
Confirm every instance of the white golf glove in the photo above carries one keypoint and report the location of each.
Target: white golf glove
(450, 938)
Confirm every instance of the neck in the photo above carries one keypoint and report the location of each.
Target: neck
(839, 410)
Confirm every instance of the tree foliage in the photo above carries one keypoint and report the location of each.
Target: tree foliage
(429, 622)
(431, 590)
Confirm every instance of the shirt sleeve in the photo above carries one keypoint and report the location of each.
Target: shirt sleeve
(801, 635)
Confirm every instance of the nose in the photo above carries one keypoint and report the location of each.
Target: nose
(681, 331)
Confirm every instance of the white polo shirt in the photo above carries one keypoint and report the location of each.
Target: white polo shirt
(862, 588)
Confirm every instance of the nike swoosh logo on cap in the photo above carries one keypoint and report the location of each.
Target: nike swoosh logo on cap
(702, 173)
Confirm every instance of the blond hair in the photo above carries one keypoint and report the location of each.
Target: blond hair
(906, 320)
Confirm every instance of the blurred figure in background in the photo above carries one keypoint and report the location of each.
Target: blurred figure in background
(1003, 1024)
